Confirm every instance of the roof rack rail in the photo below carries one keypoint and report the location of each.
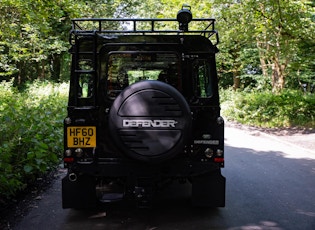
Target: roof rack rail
(132, 26)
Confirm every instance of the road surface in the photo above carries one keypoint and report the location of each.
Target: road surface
(270, 186)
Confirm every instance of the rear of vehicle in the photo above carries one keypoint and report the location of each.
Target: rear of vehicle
(143, 110)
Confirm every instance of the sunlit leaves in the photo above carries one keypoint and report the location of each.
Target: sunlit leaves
(34, 32)
(276, 28)
(264, 109)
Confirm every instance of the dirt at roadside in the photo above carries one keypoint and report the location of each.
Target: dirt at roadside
(11, 211)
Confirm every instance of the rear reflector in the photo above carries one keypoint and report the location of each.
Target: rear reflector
(68, 159)
(218, 159)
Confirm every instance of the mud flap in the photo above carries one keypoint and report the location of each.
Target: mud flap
(208, 190)
(79, 194)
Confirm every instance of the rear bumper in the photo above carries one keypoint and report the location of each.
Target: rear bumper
(115, 168)
(79, 191)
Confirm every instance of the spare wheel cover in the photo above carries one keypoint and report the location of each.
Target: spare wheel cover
(150, 121)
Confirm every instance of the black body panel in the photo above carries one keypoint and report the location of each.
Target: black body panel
(143, 109)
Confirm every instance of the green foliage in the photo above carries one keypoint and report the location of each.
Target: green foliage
(265, 109)
(31, 134)
(34, 34)
(281, 34)
(254, 35)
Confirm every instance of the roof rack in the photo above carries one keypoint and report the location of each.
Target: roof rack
(132, 26)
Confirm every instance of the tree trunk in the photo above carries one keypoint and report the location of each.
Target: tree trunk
(55, 67)
(264, 66)
(19, 77)
(278, 76)
(42, 75)
(262, 46)
(236, 80)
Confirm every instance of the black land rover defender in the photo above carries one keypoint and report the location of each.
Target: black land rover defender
(143, 110)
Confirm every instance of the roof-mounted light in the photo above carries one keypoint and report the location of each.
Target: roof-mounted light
(184, 16)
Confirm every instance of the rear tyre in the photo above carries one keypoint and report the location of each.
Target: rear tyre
(208, 190)
(79, 194)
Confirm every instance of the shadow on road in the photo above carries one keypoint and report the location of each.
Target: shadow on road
(266, 189)
(171, 210)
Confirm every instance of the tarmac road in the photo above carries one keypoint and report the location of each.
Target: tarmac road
(270, 186)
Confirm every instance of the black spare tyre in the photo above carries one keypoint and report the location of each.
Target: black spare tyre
(150, 121)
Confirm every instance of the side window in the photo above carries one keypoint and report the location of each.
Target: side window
(85, 86)
(85, 81)
(202, 79)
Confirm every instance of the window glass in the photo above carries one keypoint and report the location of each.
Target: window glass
(85, 78)
(127, 68)
(85, 85)
(203, 86)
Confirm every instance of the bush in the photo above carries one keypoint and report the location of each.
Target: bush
(31, 133)
(265, 109)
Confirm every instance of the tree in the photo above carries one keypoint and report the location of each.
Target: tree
(283, 26)
(29, 37)
(279, 34)
(276, 27)
(34, 34)
(233, 38)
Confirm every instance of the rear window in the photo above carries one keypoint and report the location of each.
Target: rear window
(125, 69)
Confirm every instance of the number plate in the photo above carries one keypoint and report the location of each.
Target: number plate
(81, 136)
